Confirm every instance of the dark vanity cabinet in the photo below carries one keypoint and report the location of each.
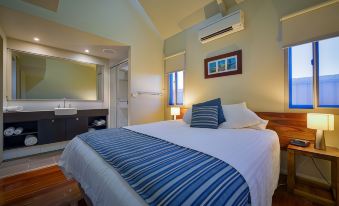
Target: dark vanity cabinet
(48, 128)
(57, 130)
(51, 130)
(75, 126)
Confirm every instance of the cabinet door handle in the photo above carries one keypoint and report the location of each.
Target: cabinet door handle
(77, 118)
(52, 120)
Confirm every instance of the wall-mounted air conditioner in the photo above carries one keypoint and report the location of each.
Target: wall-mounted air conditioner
(229, 24)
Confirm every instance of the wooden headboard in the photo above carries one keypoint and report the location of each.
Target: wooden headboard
(287, 125)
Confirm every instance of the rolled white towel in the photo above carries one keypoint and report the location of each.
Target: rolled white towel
(18, 130)
(99, 122)
(13, 108)
(9, 131)
(31, 140)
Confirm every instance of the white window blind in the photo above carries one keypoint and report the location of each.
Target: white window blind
(312, 24)
(175, 62)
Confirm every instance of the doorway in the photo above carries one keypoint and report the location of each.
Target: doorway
(119, 94)
(1, 93)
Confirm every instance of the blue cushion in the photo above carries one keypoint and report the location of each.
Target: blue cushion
(215, 102)
(205, 117)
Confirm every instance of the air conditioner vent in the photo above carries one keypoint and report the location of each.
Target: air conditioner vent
(217, 33)
(229, 24)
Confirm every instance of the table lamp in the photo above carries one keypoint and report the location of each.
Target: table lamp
(320, 122)
(175, 111)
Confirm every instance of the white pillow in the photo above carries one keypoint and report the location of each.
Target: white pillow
(188, 116)
(238, 116)
(261, 126)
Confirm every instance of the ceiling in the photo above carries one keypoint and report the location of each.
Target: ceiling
(51, 5)
(173, 16)
(25, 27)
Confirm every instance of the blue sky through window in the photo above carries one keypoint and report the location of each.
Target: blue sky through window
(301, 76)
(176, 88)
(180, 88)
(301, 73)
(329, 72)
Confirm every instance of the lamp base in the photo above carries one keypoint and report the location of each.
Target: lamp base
(320, 140)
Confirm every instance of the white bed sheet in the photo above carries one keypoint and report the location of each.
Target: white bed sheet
(254, 153)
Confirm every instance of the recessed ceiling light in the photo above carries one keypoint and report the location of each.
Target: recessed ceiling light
(86, 50)
(239, 1)
(36, 39)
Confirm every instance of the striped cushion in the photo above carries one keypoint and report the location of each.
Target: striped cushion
(215, 102)
(205, 117)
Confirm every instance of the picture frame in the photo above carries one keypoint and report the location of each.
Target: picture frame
(223, 65)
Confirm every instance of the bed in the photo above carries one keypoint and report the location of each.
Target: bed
(255, 154)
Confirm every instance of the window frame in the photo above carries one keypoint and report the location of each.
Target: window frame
(175, 94)
(317, 70)
(290, 105)
(316, 106)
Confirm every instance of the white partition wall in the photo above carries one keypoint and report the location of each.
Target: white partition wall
(122, 95)
(2, 66)
(112, 98)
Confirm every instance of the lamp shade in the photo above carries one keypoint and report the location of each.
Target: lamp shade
(320, 121)
(175, 110)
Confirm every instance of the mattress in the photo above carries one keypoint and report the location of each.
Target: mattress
(254, 153)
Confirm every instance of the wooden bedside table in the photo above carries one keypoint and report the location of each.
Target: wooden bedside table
(331, 154)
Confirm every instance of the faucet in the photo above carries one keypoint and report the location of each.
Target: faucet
(64, 102)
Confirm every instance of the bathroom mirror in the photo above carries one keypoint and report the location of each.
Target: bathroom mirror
(36, 77)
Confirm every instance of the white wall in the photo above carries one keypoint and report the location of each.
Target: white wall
(122, 21)
(49, 51)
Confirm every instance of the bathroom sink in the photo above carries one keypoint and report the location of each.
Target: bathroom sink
(65, 111)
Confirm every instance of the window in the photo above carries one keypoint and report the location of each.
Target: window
(322, 60)
(301, 76)
(329, 73)
(176, 88)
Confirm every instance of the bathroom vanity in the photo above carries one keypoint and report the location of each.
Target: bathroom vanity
(49, 128)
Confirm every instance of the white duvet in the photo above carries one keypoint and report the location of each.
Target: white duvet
(254, 153)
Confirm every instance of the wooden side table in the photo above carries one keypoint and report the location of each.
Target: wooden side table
(331, 154)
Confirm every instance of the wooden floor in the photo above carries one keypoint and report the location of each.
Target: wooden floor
(50, 187)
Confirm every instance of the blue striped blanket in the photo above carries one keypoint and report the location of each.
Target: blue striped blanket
(163, 173)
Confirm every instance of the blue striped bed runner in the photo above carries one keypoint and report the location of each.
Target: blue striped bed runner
(163, 173)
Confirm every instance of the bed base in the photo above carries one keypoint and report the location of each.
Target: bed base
(85, 197)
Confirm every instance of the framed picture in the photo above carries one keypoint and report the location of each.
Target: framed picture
(224, 65)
